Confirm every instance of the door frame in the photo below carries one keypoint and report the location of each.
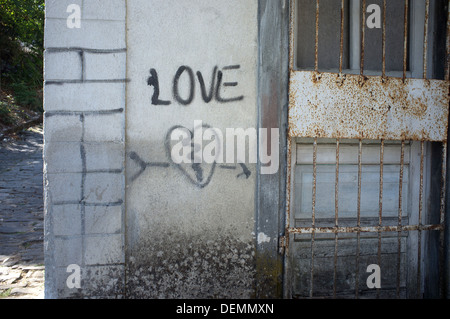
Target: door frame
(273, 100)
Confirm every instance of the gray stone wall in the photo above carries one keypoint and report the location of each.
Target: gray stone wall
(137, 224)
(84, 153)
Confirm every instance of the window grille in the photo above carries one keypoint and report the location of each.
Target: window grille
(367, 149)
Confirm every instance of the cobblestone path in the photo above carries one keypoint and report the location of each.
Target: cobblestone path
(22, 216)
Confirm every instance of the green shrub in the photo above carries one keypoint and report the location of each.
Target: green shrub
(5, 114)
(26, 96)
(21, 50)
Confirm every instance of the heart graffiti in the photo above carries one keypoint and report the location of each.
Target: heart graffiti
(198, 174)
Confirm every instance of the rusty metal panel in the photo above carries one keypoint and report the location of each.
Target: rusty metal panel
(329, 105)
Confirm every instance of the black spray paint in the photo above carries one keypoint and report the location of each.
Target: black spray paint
(154, 81)
(214, 89)
(202, 178)
(176, 93)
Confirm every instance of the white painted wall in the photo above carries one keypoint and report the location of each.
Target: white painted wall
(84, 132)
(106, 211)
(196, 241)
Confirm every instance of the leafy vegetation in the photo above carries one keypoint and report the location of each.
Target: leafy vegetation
(6, 293)
(21, 57)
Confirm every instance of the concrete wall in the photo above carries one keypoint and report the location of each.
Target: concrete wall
(189, 235)
(84, 123)
(137, 224)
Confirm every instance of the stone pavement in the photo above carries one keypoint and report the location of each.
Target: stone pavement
(22, 216)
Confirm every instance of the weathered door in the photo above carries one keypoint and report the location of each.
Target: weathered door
(368, 119)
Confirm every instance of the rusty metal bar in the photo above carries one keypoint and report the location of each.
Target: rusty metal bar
(289, 189)
(290, 142)
(363, 32)
(447, 49)
(314, 182)
(405, 39)
(442, 221)
(400, 212)
(359, 183)
(316, 58)
(419, 241)
(313, 214)
(358, 209)
(336, 216)
(380, 213)
(380, 210)
(384, 41)
(425, 38)
(336, 194)
(341, 48)
(292, 33)
(355, 34)
(289, 181)
(365, 229)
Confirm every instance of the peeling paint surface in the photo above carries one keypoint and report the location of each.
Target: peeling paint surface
(350, 106)
(263, 238)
